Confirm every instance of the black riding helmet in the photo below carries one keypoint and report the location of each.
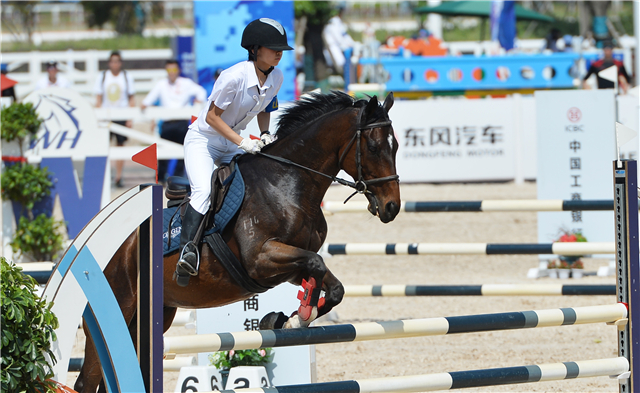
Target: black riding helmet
(265, 32)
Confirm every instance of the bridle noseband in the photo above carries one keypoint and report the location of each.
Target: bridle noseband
(360, 185)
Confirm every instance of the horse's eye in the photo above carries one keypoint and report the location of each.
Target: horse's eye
(373, 147)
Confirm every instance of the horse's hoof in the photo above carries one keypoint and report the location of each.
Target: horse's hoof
(273, 320)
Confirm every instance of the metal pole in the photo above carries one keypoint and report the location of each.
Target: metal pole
(628, 272)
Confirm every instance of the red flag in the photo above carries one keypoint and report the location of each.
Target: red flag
(149, 158)
(6, 83)
(193, 119)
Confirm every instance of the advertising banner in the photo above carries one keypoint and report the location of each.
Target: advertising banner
(455, 140)
(575, 154)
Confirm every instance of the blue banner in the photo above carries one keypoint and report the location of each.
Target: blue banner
(218, 32)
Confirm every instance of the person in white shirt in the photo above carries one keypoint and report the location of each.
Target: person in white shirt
(243, 91)
(52, 79)
(114, 89)
(337, 40)
(174, 92)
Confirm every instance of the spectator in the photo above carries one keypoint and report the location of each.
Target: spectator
(337, 40)
(114, 89)
(604, 63)
(551, 41)
(52, 79)
(174, 92)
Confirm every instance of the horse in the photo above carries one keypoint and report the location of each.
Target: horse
(280, 226)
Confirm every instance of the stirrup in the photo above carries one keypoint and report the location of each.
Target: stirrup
(185, 265)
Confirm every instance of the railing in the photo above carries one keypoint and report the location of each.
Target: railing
(70, 63)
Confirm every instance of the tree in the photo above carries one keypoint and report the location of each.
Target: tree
(592, 14)
(317, 14)
(127, 17)
(27, 17)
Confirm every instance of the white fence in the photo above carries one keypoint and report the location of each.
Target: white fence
(82, 80)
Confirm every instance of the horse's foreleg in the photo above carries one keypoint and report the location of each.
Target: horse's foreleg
(333, 293)
(281, 258)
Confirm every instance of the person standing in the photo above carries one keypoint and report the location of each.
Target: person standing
(243, 91)
(174, 92)
(604, 63)
(114, 89)
(52, 79)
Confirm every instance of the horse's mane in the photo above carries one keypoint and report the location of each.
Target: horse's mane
(310, 107)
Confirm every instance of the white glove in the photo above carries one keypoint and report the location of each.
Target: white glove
(251, 145)
(267, 138)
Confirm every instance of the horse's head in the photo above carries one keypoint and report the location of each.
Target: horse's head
(370, 158)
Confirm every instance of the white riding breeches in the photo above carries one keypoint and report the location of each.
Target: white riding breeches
(202, 153)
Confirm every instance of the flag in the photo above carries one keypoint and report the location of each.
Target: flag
(148, 157)
(610, 74)
(503, 23)
(624, 134)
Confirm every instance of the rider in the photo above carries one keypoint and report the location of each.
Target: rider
(241, 92)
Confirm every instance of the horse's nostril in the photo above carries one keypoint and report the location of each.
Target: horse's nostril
(392, 208)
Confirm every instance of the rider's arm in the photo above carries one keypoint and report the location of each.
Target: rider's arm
(216, 122)
(263, 121)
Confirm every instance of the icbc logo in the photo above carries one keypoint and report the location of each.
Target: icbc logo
(574, 115)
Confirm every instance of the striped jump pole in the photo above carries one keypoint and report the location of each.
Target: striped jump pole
(393, 329)
(479, 290)
(558, 248)
(521, 205)
(464, 379)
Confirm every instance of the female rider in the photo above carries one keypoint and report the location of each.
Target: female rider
(241, 92)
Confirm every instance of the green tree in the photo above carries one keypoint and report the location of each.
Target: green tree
(314, 15)
(127, 17)
(26, 17)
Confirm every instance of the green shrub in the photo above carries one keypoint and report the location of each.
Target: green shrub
(26, 184)
(27, 330)
(39, 238)
(19, 121)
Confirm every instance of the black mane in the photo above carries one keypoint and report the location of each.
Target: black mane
(310, 107)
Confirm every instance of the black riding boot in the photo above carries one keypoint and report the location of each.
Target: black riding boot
(188, 263)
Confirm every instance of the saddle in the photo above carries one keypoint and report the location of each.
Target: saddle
(218, 215)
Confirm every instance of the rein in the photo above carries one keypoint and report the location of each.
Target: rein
(359, 185)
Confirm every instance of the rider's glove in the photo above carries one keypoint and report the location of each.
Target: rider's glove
(251, 145)
(267, 138)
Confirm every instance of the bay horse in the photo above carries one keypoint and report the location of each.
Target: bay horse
(282, 201)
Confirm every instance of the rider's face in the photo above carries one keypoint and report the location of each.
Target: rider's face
(269, 56)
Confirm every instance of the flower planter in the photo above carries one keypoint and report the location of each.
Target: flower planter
(563, 274)
(243, 377)
(577, 273)
(553, 273)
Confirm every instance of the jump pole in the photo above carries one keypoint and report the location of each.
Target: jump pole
(557, 248)
(479, 290)
(506, 205)
(625, 175)
(394, 329)
(463, 379)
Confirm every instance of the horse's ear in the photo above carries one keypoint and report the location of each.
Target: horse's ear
(388, 102)
(371, 108)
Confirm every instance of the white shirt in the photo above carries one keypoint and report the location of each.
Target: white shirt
(115, 90)
(175, 95)
(237, 91)
(61, 81)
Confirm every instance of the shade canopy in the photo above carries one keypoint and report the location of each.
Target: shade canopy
(479, 8)
(6, 83)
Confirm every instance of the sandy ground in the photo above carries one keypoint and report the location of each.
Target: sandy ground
(388, 358)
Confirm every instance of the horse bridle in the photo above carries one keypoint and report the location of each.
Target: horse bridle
(360, 185)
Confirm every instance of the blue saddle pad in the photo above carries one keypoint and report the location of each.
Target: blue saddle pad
(230, 205)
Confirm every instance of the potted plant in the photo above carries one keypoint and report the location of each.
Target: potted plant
(27, 330)
(226, 360)
(577, 269)
(552, 267)
(567, 236)
(37, 235)
(564, 269)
